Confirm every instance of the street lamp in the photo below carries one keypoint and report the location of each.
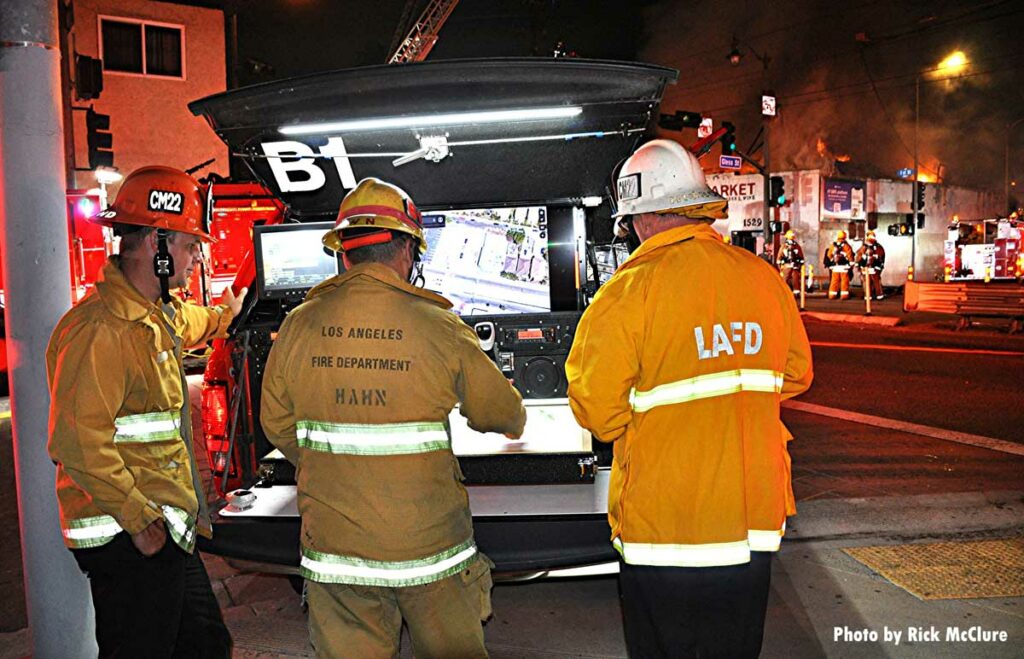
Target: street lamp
(952, 65)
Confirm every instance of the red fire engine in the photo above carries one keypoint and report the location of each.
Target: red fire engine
(984, 249)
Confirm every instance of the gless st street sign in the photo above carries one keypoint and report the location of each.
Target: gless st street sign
(729, 162)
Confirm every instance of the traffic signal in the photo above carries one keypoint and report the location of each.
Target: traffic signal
(100, 139)
(894, 229)
(680, 120)
(776, 191)
(907, 227)
(88, 78)
(729, 139)
(919, 194)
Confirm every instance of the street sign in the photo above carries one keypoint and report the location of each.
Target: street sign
(706, 127)
(905, 172)
(730, 162)
(768, 105)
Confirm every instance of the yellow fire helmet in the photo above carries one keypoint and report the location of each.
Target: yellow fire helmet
(840, 235)
(870, 237)
(159, 197)
(370, 213)
(790, 235)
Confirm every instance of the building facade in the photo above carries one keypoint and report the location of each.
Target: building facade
(157, 57)
(819, 206)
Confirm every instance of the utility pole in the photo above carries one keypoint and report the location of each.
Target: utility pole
(913, 188)
(37, 278)
(1006, 166)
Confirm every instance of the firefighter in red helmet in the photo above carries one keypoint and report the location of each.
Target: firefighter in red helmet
(131, 500)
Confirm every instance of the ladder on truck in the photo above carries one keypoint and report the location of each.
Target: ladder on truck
(423, 35)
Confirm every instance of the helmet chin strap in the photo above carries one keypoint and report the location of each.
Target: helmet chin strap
(163, 265)
(416, 277)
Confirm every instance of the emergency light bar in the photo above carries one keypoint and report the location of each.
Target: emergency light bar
(432, 120)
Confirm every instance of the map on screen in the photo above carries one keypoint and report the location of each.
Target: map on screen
(489, 261)
(293, 257)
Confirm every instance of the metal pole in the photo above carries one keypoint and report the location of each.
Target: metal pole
(913, 187)
(37, 276)
(1006, 167)
(803, 286)
(766, 208)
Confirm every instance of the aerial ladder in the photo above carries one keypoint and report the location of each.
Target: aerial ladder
(423, 35)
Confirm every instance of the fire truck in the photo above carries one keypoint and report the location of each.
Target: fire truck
(984, 249)
(88, 247)
(509, 162)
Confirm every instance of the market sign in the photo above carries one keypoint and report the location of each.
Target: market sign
(745, 194)
(843, 199)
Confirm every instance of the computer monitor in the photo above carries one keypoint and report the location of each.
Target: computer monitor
(291, 259)
(489, 261)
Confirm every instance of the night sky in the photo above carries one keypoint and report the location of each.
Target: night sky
(843, 72)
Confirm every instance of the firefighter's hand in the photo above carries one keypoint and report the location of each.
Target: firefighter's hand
(151, 539)
(234, 303)
(512, 435)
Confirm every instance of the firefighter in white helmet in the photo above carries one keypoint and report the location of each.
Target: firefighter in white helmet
(131, 500)
(839, 258)
(870, 259)
(681, 361)
(357, 393)
(789, 262)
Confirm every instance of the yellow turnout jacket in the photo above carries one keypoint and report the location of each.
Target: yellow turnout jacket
(357, 393)
(682, 360)
(120, 428)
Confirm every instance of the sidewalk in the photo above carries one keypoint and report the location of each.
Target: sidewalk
(852, 490)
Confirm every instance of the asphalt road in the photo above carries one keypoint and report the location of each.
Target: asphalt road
(936, 378)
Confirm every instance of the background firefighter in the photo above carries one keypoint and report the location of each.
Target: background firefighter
(839, 258)
(682, 360)
(871, 261)
(130, 497)
(386, 529)
(790, 261)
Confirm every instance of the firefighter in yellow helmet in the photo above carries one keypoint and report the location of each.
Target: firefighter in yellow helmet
(839, 259)
(681, 361)
(131, 500)
(386, 529)
(870, 259)
(789, 262)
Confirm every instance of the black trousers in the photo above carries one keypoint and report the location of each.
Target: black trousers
(698, 612)
(162, 606)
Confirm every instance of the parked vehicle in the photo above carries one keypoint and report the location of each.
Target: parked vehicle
(984, 249)
(509, 160)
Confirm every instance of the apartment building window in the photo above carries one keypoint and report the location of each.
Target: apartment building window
(142, 47)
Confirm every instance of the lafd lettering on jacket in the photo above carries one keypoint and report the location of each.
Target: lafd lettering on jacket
(745, 334)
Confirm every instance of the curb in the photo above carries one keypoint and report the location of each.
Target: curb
(886, 321)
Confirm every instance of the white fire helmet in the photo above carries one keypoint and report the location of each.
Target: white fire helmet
(661, 176)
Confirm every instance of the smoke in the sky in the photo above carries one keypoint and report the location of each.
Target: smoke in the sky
(844, 75)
